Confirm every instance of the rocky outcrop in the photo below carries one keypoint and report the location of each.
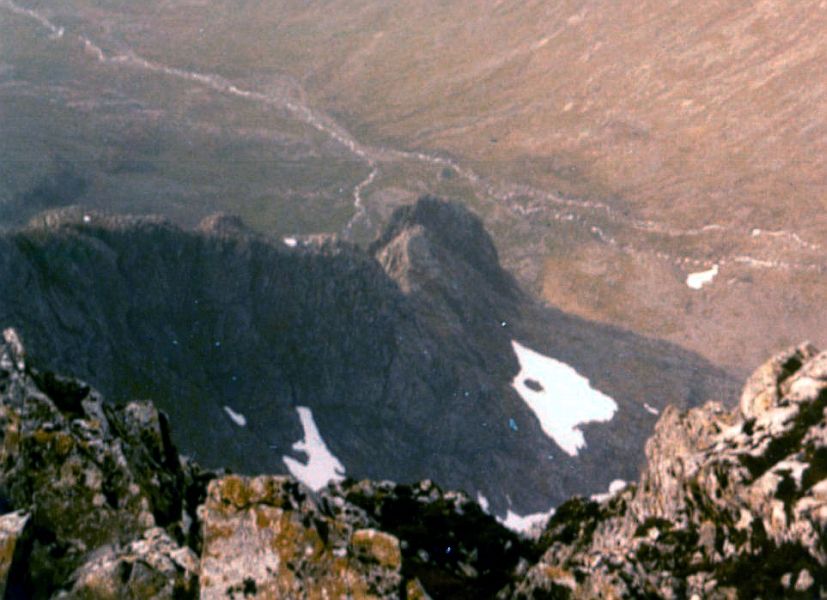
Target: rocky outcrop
(731, 504)
(97, 503)
(448, 543)
(266, 537)
(15, 538)
(402, 352)
(151, 566)
(270, 537)
(93, 479)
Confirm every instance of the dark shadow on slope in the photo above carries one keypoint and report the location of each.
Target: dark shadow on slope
(403, 354)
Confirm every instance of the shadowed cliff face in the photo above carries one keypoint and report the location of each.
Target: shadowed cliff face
(403, 353)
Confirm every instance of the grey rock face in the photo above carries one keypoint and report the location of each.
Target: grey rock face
(731, 504)
(403, 352)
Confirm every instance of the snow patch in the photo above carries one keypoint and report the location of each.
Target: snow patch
(651, 409)
(697, 280)
(322, 466)
(561, 398)
(615, 487)
(530, 525)
(290, 241)
(235, 417)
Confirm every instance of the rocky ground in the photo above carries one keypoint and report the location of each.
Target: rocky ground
(731, 504)
(97, 503)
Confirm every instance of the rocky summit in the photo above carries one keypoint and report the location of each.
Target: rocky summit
(97, 503)
(395, 361)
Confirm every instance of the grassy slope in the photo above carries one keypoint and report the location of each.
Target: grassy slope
(671, 109)
(685, 113)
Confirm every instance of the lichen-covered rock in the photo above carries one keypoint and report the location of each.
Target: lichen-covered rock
(415, 591)
(15, 534)
(265, 537)
(370, 545)
(447, 542)
(89, 473)
(96, 503)
(731, 504)
(151, 567)
(763, 388)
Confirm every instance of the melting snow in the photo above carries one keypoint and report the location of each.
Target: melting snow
(561, 398)
(651, 409)
(235, 417)
(697, 280)
(614, 487)
(531, 525)
(322, 467)
(290, 241)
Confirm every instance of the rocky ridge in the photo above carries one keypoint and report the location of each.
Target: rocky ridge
(402, 351)
(97, 503)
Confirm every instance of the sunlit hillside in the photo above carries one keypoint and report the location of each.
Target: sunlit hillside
(614, 148)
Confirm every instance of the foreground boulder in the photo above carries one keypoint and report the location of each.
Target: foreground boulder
(265, 537)
(15, 537)
(93, 479)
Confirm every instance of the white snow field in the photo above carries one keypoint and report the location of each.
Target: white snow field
(615, 487)
(561, 398)
(322, 466)
(697, 280)
(529, 525)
